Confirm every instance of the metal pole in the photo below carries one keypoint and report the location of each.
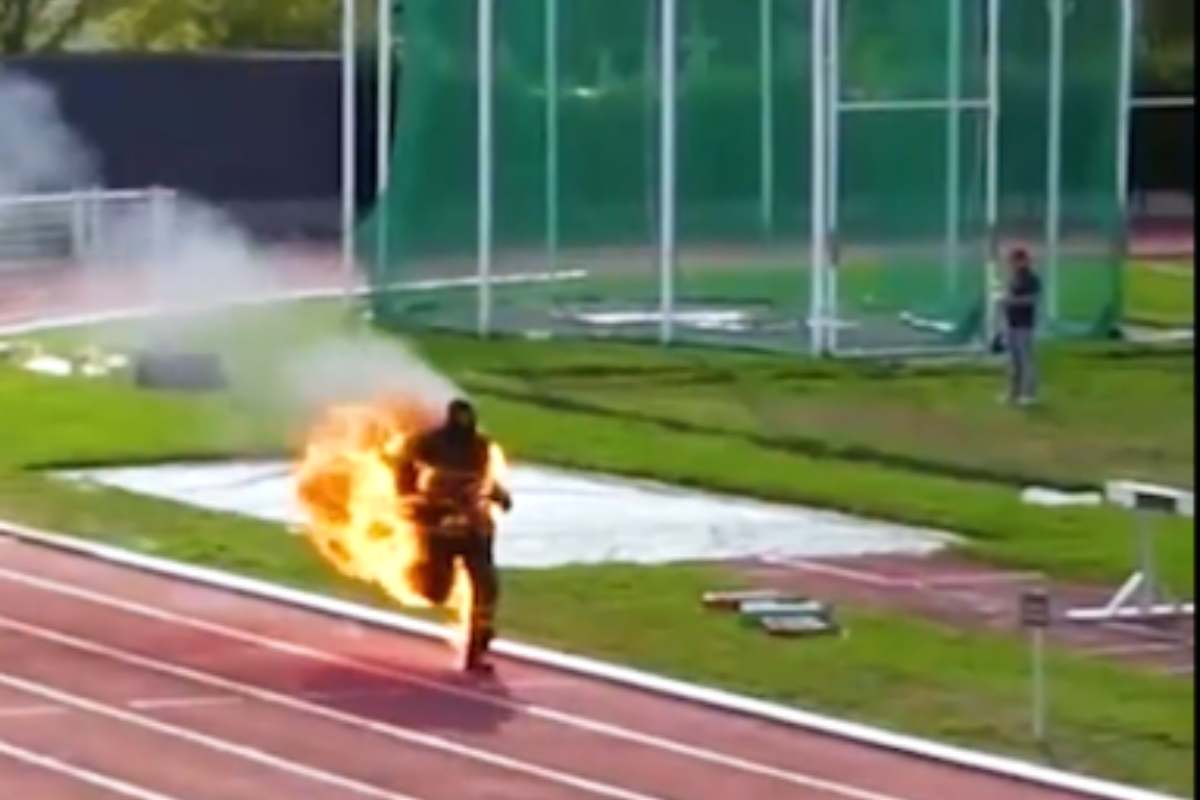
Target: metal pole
(1054, 155)
(552, 139)
(954, 143)
(993, 165)
(1039, 684)
(1147, 589)
(667, 138)
(384, 104)
(767, 75)
(486, 47)
(349, 132)
(833, 97)
(383, 125)
(820, 125)
(1125, 118)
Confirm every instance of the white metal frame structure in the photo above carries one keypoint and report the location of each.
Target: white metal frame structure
(954, 104)
(86, 228)
(1141, 598)
(828, 107)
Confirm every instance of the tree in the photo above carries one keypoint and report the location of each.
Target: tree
(223, 25)
(1166, 52)
(29, 26)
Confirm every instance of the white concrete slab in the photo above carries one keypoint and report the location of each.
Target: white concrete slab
(568, 518)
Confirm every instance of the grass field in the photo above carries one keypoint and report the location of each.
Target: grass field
(1161, 294)
(923, 444)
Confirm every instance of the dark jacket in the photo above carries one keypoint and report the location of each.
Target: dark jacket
(1020, 305)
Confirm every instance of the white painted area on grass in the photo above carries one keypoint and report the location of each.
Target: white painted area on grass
(567, 517)
(1054, 498)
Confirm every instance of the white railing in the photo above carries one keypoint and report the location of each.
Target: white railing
(82, 227)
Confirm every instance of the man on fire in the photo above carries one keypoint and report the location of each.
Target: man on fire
(444, 478)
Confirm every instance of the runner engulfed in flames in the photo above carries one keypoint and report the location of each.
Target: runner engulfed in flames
(348, 483)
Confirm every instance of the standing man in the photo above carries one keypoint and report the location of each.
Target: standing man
(446, 478)
(1020, 316)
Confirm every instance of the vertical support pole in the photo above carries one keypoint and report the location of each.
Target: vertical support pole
(552, 138)
(1147, 589)
(383, 128)
(833, 165)
(766, 49)
(819, 222)
(349, 132)
(991, 276)
(668, 132)
(486, 54)
(383, 140)
(954, 113)
(79, 227)
(95, 224)
(1054, 157)
(1039, 683)
(1124, 127)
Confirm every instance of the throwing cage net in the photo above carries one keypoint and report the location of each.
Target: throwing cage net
(831, 176)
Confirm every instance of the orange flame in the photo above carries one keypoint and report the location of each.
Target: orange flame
(356, 518)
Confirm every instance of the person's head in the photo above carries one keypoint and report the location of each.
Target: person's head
(1019, 261)
(460, 416)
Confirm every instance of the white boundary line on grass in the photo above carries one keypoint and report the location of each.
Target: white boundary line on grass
(624, 676)
(42, 324)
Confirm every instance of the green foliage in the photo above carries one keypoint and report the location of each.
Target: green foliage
(29, 26)
(173, 25)
(1166, 47)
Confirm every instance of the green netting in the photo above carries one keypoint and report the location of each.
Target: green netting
(577, 99)
(912, 165)
(1083, 280)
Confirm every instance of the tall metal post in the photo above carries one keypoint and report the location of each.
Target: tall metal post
(992, 277)
(486, 55)
(766, 49)
(668, 131)
(833, 167)
(1125, 112)
(552, 137)
(349, 132)
(1054, 156)
(1039, 684)
(819, 222)
(953, 142)
(383, 126)
(383, 140)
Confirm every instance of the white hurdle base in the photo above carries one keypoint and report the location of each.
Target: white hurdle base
(1125, 608)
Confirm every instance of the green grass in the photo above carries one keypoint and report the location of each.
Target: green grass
(740, 422)
(1161, 294)
(923, 445)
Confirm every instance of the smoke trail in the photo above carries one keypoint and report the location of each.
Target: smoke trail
(38, 150)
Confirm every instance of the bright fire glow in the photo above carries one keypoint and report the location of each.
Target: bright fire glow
(356, 518)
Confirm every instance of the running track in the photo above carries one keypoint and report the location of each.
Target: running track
(116, 683)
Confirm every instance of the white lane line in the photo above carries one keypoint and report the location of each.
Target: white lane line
(159, 703)
(23, 712)
(1132, 649)
(857, 575)
(399, 733)
(193, 737)
(566, 719)
(80, 774)
(207, 701)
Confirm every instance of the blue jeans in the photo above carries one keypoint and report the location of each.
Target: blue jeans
(1022, 369)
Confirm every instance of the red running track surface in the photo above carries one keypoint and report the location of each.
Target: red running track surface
(120, 684)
